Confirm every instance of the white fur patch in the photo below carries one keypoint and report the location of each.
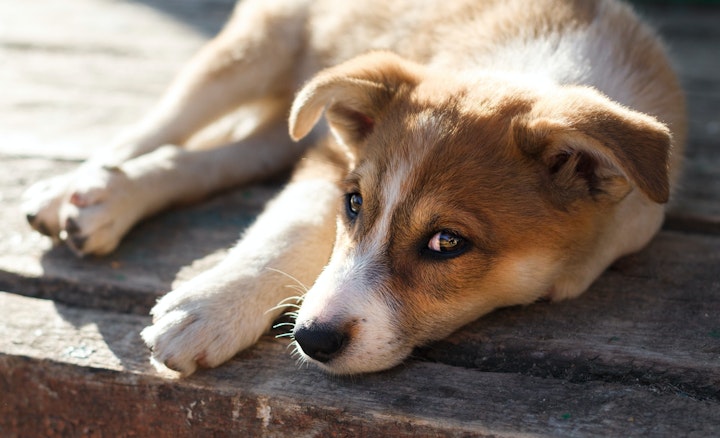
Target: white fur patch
(350, 290)
(344, 294)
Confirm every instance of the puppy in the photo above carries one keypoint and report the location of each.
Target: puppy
(473, 154)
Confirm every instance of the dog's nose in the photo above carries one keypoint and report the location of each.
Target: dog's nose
(321, 342)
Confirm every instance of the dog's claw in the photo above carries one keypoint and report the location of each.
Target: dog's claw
(74, 237)
(78, 242)
(42, 228)
(71, 226)
(39, 226)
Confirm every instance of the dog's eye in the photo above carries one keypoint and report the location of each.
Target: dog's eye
(353, 203)
(447, 243)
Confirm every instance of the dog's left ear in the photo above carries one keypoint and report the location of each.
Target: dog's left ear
(591, 146)
(355, 94)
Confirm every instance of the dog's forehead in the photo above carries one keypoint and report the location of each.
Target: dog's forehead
(439, 138)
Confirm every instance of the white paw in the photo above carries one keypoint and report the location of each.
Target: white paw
(102, 206)
(41, 204)
(201, 328)
(89, 209)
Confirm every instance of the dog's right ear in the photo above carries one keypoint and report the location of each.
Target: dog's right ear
(355, 94)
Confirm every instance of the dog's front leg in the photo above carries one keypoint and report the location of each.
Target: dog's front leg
(249, 62)
(224, 310)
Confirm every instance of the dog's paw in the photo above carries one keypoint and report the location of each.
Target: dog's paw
(102, 205)
(41, 204)
(195, 329)
(89, 209)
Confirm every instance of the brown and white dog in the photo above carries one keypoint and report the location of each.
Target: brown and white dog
(474, 154)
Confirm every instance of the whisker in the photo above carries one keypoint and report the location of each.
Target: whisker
(292, 301)
(297, 306)
(287, 299)
(281, 306)
(283, 301)
(297, 355)
(300, 289)
(300, 283)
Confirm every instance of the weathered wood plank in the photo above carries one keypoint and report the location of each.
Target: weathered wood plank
(693, 39)
(83, 71)
(93, 380)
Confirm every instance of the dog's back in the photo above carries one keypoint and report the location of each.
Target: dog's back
(598, 43)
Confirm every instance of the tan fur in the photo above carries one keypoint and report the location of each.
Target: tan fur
(546, 135)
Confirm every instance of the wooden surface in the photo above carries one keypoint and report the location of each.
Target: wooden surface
(637, 355)
(94, 377)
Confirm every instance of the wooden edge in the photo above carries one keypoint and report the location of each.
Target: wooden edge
(71, 371)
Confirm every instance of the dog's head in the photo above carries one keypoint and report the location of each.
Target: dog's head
(463, 194)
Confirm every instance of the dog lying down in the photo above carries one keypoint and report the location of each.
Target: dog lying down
(454, 157)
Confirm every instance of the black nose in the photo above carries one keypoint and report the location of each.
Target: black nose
(320, 341)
